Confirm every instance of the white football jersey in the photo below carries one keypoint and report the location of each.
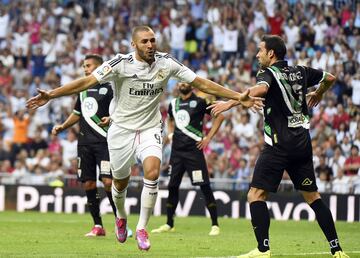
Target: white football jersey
(139, 86)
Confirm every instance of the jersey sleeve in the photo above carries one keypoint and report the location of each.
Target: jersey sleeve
(264, 77)
(180, 71)
(109, 69)
(313, 76)
(170, 113)
(77, 107)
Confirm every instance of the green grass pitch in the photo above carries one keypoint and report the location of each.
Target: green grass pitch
(33, 234)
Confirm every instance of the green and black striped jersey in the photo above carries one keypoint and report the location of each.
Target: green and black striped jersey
(286, 115)
(91, 106)
(188, 116)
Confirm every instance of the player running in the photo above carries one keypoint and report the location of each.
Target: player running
(139, 78)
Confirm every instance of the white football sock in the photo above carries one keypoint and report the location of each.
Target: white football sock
(148, 199)
(119, 198)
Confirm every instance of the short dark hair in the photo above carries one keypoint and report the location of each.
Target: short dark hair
(354, 147)
(140, 28)
(96, 57)
(275, 43)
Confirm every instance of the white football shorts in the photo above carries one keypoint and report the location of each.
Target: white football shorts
(126, 147)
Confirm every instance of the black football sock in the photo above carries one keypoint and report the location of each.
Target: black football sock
(93, 204)
(171, 204)
(109, 195)
(326, 223)
(260, 219)
(210, 203)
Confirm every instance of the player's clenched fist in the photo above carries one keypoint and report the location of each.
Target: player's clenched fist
(57, 129)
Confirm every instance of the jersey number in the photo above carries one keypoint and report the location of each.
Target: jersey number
(158, 138)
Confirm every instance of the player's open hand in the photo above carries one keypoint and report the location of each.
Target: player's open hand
(57, 129)
(218, 107)
(203, 143)
(39, 100)
(256, 103)
(105, 121)
(313, 99)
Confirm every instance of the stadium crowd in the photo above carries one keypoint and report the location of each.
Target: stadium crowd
(42, 44)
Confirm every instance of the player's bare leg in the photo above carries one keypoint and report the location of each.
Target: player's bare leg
(119, 191)
(149, 192)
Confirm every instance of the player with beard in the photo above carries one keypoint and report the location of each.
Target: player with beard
(287, 140)
(139, 79)
(185, 124)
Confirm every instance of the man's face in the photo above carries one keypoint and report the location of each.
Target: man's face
(89, 66)
(184, 88)
(263, 55)
(145, 45)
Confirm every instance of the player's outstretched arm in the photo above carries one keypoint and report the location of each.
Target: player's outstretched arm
(73, 87)
(258, 90)
(215, 89)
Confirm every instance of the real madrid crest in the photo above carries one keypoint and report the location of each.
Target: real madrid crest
(160, 75)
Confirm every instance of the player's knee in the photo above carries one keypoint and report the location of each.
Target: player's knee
(120, 184)
(107, 183)
(151, 167)
(256, 194)
(310, 197)
(152, 174)
(89, 185)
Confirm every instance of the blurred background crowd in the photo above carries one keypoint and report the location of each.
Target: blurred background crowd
(42, 44)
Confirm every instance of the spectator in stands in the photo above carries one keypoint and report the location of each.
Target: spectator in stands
(242, 175)
(4, 154)
(4, 23)
(230, 44)
(177, 38)
(21, 76)
(69, 147)
(352, 163)
(341, 116)
(355, 85)
(341, 183)
(20, 139)
(324, 169)
(336, 163)
(38, 67)
(37, 143)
